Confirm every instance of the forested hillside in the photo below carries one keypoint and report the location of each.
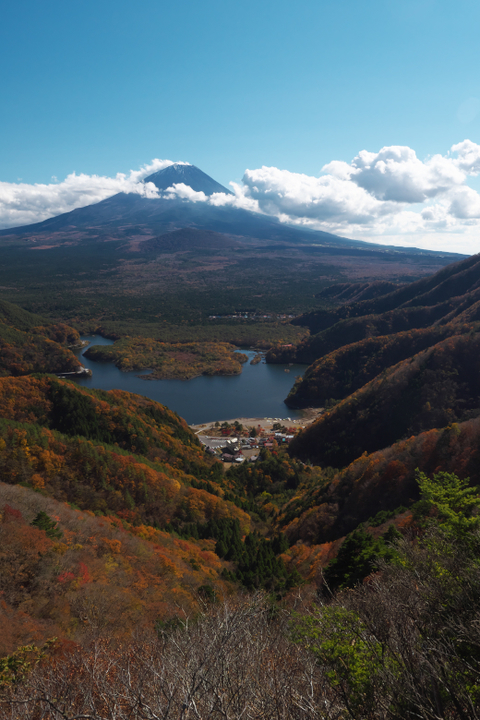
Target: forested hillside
(109, 452)
(450, 295)
(380, 482)
(111, 507)
(340, 372)
(30, 343)
(434, 388)
(64, 572)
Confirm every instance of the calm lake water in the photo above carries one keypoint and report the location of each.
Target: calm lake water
(258, 392)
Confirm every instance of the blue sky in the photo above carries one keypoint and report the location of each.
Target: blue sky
(100, 88)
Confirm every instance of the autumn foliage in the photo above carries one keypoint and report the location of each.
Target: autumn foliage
(170, 360)
(431, 389)
(103, 573)
(94, 462)
(381, 481)
(28, 343)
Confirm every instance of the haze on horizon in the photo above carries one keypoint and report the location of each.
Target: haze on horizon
(358, 119)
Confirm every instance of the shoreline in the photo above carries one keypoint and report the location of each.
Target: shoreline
(309, 416)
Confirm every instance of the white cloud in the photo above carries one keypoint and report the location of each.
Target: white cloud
(395, 173)
(22, 204)
(390, 196)
(302, 197)
(468, 158)
(239, 199)
(465, 203)
(185, 192)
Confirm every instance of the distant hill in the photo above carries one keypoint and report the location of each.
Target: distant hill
(18, 318)
(346, 369)
(456, 283)
(356, 292)
(432, 388)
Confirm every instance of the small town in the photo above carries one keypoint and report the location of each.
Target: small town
(240, 440)
(251, 315)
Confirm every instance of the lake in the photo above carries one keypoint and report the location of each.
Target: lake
(258, 392)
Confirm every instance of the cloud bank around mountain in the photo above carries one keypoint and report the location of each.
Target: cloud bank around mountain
(390, 197)
(23, 204)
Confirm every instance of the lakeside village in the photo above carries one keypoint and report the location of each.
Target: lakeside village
(251, 315)
(238, 442)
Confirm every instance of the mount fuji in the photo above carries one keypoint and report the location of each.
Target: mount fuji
(142, 223)
(188, 175)
(123, 215)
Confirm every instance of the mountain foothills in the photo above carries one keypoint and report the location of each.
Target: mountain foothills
(140, 577)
